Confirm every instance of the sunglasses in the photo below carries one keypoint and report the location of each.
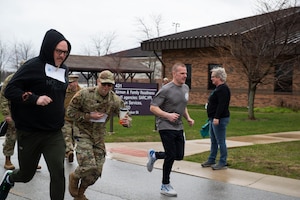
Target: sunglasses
(107, 84)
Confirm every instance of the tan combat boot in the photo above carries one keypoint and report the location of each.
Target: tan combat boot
(81, 195)
(73, 185)
(8, 165)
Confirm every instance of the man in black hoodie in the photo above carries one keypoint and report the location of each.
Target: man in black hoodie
(37, 94)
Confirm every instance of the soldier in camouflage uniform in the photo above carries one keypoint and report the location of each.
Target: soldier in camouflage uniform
(91, 108)
(68, 129)
(10, 136)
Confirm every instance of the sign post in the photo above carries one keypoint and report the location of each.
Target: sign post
(136, 96)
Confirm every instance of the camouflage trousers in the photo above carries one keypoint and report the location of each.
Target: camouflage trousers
(10, 141)
(68, 130)
(90, 158)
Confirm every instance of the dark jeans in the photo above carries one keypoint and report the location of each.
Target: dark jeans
(173, 142)
(31, 145)
(218, 141)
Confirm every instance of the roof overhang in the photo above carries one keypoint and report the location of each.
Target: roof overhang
(99, 63)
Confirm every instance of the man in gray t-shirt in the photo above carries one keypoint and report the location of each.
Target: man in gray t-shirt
(171, 99)
(169, 106)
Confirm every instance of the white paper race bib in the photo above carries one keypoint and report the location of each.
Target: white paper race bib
(102, 119)
(54, 72)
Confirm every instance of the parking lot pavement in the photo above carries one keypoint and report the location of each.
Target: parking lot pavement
(125, 176)
(126, 181)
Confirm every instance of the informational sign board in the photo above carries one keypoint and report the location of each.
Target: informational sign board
(137, 96)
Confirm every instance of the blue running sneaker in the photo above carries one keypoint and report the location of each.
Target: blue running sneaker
(151, 160)
(5, 185)
(168, 190)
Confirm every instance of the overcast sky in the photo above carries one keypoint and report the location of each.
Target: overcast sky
(79, 21)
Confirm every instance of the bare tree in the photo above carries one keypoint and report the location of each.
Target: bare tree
(3, 58)
(108, 42)
(103, 44)
(26, 50)
(266, 43)
(21, 51)
(87, 50)
(149, 31)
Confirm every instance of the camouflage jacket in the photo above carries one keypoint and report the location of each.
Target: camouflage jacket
(5, 105)
(69, 95)
(89, 100)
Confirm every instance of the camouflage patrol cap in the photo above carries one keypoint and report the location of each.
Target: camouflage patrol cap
(106, 76)
(73, 77)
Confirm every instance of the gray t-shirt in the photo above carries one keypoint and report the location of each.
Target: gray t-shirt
(172, 99)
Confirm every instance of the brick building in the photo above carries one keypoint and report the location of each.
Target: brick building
(197, 49)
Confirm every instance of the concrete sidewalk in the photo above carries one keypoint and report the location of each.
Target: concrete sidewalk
(136, 153)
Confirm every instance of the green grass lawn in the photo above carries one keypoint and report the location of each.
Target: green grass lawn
(267, 122)
(279, 159)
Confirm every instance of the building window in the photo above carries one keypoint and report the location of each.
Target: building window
(211, 86)
(189, 75)
(283, 78)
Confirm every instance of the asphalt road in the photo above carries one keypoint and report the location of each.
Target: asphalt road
(124, 181)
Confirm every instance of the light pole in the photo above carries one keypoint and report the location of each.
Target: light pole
(176, 24)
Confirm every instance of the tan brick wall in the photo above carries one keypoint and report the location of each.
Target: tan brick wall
(236, 79)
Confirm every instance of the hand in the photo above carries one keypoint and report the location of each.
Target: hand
(9, 119)
(126, 121)
(172, 117)
(215, 121)
(43, 100)
(190, 121)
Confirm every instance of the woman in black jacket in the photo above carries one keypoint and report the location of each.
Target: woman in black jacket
(218, 114)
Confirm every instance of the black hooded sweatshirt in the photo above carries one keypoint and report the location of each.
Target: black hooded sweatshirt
(30, 82)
